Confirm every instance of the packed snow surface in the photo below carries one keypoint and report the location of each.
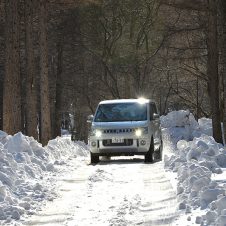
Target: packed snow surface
(119, 192)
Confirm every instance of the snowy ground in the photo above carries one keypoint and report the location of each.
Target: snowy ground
(119, 192)
(56, 185)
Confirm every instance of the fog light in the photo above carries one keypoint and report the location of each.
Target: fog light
(93, 144)
(142, 142)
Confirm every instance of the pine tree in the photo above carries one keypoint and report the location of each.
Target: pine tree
(31, 89)
(44, 80)
(12, 81)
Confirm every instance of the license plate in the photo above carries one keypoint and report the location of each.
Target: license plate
(117, 140)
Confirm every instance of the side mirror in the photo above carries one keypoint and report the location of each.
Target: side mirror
(155, 116)
(90, 118)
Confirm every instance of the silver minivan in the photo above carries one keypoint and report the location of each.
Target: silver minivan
(125, 127)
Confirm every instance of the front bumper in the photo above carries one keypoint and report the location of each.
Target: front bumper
(131, 145)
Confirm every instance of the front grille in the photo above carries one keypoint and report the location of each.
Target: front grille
(128, 130)
(108, 142)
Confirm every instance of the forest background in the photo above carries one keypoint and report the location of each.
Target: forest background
(59, 58)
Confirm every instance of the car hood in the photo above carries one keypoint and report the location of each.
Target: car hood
(116, 125)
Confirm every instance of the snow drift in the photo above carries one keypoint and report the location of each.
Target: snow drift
(195, 159)
(25, 167)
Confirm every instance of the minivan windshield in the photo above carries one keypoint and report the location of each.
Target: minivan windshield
(118, 112)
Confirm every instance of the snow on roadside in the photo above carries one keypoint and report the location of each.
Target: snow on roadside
(196, 159)
(27, 172)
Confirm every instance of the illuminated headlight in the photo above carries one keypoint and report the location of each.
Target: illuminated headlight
(98, 133)
(138, 132)
(95, 132)
(141, 131)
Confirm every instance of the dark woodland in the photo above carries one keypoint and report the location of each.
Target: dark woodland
(59, 58)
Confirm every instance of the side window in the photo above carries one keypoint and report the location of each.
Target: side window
(153, 110)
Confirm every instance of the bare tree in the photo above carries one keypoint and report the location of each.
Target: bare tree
(210, 10)
(212, 69)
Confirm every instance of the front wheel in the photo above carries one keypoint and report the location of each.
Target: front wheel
(149, 155)
(94, 158)
(158, 154)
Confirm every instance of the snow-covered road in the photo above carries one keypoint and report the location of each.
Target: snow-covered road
(122, 191)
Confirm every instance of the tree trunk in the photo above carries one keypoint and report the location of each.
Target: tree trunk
(224, 119)
(1, 103)
(222, 8)
(212, 70)
(58, 104)
(31, 94)
(12, 81)
(45, 133)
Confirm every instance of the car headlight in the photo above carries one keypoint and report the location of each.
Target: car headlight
(98, 133)
(141, 131)
(138, 132)
(95, 132)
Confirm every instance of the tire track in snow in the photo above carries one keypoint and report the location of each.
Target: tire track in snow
(119, 192)
(145, 195)
(159, 202)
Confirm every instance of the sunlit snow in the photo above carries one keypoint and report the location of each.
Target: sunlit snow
(56, 185)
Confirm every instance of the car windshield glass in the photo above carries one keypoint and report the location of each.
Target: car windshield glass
(119, 112)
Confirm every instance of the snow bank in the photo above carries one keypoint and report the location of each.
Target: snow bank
(183, 125)
(205, 126)
(178, 119)
(196, 158)
(25, 167)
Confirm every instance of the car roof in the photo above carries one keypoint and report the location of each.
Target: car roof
(140, 100)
